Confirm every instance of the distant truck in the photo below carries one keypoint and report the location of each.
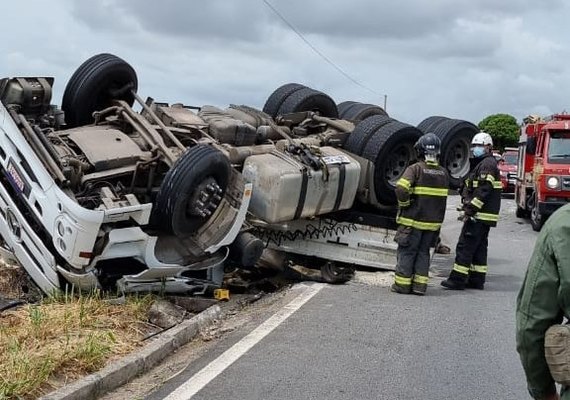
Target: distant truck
(508, 166)
(543, 178)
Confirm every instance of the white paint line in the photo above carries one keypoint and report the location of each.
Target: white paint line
(216, 367)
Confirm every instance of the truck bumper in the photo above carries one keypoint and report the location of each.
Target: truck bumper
(546, 208)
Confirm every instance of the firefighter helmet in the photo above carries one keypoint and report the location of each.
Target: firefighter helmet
(482, 139)
(429, 144)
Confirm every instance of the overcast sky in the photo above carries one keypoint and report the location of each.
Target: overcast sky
(459, 58)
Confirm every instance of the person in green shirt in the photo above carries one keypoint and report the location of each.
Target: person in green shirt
(543, 301)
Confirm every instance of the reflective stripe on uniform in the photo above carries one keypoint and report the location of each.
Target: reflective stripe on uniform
(477, 203)
(461, 269)
(402, 281)
(430, 191)
(423, 226)
(490, 178)
(403, 182)
(421, 280)
(487, 217)
(404, 203)
(479, 268)
(496, 184)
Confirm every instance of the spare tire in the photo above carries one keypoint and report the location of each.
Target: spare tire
(277, 98)
(364, 131)
(430, 123)
(308, 99)
(456, 135)
(360, 111)
(391, 149)
(94, 85)
(193, 187)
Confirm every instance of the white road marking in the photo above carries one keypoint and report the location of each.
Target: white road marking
(216, 367)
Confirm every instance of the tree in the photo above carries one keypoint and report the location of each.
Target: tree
(503, 128)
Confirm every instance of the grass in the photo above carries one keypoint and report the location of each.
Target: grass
(45, 345)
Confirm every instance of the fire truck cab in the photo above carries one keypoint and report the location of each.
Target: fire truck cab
(543, 178)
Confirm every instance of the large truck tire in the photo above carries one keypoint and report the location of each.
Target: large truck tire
(200, 175)
(308, 99)
(360, 111)
(455, 136)
(94, 86)
(391, 148)
(430, 123)
(277, 98)
(342, 107)
(363, 131)
(536, 218)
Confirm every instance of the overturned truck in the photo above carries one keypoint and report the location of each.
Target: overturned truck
(112, 191)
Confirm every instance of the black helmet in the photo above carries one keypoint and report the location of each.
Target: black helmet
(428, 144)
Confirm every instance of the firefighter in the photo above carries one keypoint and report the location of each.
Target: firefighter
(481, 201)
(422, 195)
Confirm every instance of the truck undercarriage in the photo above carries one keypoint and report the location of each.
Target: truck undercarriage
(100, 195)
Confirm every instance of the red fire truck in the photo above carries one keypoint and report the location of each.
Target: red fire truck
(543, 178)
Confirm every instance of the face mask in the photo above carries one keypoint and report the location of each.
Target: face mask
(478, 151)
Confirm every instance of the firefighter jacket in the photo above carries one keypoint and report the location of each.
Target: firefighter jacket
(422, 196)
(481, 191)
(543, 300)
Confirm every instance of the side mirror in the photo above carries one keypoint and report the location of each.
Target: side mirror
(531, 145)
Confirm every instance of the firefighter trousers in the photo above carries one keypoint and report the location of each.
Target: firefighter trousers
(414, 259)
(470, 265)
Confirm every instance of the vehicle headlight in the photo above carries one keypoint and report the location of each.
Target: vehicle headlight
(553, 182)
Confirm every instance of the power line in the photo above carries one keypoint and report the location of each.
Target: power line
(324, 57)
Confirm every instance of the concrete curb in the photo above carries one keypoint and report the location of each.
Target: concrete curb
(121, 371)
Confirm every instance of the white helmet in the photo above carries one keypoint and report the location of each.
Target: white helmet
(482, 139)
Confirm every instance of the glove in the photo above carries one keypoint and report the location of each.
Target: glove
(469, 210)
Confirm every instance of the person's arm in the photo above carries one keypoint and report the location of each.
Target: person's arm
(404, 186)
(537, 310)
(485, 186)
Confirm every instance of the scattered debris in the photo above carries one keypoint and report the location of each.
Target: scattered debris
(165, 314)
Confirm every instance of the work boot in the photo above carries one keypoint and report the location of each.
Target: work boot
(419, 289)
(475, 285)
(452, 284)
(399, 289)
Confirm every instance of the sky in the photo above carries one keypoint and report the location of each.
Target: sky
(462, 59)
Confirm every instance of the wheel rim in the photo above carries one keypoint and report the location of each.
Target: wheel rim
(335, 270)
(456, 157)
(205, 199)
(396, 163)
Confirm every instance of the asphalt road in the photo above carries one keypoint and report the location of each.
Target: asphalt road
(359, 341)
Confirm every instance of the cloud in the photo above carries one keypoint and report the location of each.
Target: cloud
(464, 59)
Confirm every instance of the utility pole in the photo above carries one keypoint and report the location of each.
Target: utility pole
(385, 101)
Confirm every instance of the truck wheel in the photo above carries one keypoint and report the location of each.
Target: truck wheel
(342, 107)
(94, 85)
(336, 273)
(391, 149)
(277, 98)
(191, 191)
(430, 123)
(536, 218)
(308, 99)
(363, 132)
(361, 111)
(456, 135)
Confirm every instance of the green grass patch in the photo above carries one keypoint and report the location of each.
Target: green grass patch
(63, 338)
